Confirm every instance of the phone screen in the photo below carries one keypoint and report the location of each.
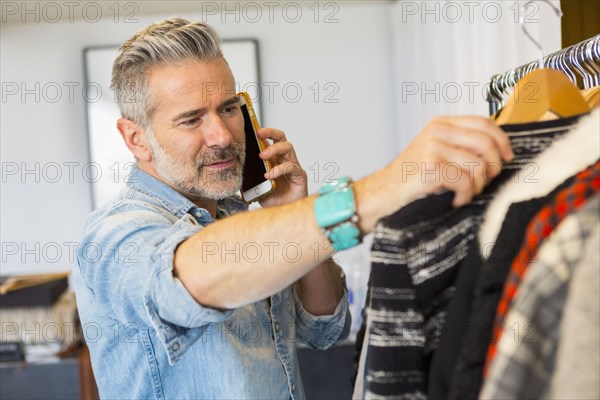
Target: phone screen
(254, 168)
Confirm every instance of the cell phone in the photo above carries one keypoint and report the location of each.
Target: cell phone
(254, 184)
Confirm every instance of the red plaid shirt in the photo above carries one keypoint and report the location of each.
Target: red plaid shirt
(585, 184)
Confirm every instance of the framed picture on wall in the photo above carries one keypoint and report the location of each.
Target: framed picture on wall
(110, 160)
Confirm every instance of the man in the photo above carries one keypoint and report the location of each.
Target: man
(184, 294)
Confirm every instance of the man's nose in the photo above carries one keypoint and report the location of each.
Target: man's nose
(217, 134)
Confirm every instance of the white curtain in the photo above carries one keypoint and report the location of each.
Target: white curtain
(445, 52)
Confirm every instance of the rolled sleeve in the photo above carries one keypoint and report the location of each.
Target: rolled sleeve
(138, 287)
(177, 318)
(321, 332)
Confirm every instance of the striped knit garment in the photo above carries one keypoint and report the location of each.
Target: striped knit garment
(415, 256)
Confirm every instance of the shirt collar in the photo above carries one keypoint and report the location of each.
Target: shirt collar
(174, 201)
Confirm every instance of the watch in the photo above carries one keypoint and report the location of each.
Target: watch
(335, 212)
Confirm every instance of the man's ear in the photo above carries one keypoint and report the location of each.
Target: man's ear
(135, 139)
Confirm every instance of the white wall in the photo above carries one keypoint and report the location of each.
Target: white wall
(445, 53)
(42, 211)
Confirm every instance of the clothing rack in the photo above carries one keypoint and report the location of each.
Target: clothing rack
(580, 62)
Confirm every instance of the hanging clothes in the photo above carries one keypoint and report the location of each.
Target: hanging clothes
(461, 327)
(415, 257)
(459, 374)
(584, 186)
(526, 352)
(577, 371)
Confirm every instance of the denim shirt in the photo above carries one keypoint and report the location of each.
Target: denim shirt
(148, 338)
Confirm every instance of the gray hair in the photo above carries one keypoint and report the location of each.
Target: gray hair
(171, 40)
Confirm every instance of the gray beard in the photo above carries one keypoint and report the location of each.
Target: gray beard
(214, 186)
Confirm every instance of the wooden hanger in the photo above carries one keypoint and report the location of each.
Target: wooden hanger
(541, 92)
(592, 96)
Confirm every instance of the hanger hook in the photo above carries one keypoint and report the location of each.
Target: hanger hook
(537, 44)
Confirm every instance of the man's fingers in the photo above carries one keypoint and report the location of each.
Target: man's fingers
(471, 170)
(479, 143)
(285, 150)
(456, 169)
(270, 133)
(290, 168)
(462, 153)
(482, 125)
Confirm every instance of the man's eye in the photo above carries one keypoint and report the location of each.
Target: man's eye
(230, 109)
(190, 122)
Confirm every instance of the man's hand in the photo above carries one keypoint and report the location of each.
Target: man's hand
(286, 170)
(461, 154)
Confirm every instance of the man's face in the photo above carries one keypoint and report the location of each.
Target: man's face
(198, 141)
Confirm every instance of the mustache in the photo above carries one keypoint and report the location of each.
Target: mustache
(233, 151)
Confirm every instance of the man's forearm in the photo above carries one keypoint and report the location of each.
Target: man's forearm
(321, 289)
(252, 255)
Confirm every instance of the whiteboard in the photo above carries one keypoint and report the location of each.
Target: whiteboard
(110, 160)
